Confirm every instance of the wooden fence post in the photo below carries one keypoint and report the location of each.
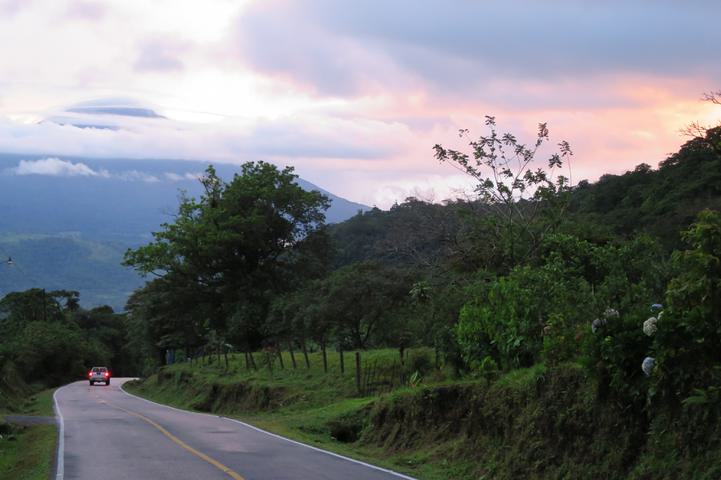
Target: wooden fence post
(342, 362)
(269, 361)
(252, 361)
(305, 354)
(292, 356)
(280, 358)
(358, 371)
(325, 359)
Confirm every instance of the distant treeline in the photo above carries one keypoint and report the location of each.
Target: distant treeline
(48, 339)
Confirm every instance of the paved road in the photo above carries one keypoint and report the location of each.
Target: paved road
(111, 435)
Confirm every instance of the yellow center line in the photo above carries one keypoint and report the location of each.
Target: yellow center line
(232, 474)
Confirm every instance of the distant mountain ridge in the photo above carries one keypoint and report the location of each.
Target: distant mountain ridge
(67, 221)
(108, 198)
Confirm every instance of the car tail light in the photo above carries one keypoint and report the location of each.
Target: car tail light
(90, 374)
(107, 374)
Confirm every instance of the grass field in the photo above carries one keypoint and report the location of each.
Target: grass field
(27, 452)
(30, 455)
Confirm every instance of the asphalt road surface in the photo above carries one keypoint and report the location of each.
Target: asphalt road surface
(111, 435)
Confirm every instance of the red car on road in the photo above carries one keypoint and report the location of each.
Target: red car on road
(99, 374)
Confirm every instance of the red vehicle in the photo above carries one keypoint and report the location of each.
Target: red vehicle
(99, 374)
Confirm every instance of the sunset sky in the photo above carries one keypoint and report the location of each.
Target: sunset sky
(355, 94)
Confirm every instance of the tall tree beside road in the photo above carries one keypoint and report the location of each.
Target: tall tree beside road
(240, 242)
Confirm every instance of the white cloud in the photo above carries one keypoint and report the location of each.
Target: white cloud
(136, 176)
(231, 140)
(55, 167)
(177, 177)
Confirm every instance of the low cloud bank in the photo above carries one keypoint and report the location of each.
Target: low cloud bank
(56, 167)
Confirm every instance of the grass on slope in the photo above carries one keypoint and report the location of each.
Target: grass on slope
(40, 403)
(27, 452)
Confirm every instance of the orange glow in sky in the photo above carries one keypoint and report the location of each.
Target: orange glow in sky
(355, 94)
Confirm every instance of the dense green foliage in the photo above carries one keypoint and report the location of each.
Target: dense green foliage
(661, 202)
(219, 264)
(50, 339)
(68, 262)
(511, 279)
(609, 292)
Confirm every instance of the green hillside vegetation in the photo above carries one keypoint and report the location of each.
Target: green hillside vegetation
(570, 332)
(50, 339)
(67, 262)
(542, 330)
(660, 202)
(26, 452)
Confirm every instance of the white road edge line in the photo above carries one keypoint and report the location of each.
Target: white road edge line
(60, 462)
(374, 467)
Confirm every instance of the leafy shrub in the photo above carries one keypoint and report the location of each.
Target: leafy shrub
(419, 361)
(686, 343)
(508, 317)
(560, 340)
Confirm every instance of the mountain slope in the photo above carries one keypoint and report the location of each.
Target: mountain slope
(67, 222)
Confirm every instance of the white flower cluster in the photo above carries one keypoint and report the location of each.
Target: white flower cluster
(603, 321)
(649, 326)
(610, 313)
(647, 365)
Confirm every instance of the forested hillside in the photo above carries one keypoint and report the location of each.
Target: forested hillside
(265, 272)
(61, 261)
(67, 222)
(571, 311)
(48, 339)
(660, 202)
(537, 290)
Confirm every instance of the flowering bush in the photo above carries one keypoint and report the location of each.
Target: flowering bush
(686, 343)
(650, 327)
(647, 365)
(517, 318)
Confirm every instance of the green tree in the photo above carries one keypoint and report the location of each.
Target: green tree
(523, 202)
(232, 249)
(689, 332)
(359, 297)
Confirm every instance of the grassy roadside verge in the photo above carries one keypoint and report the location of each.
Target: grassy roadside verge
(538, 422)
(27, 452)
